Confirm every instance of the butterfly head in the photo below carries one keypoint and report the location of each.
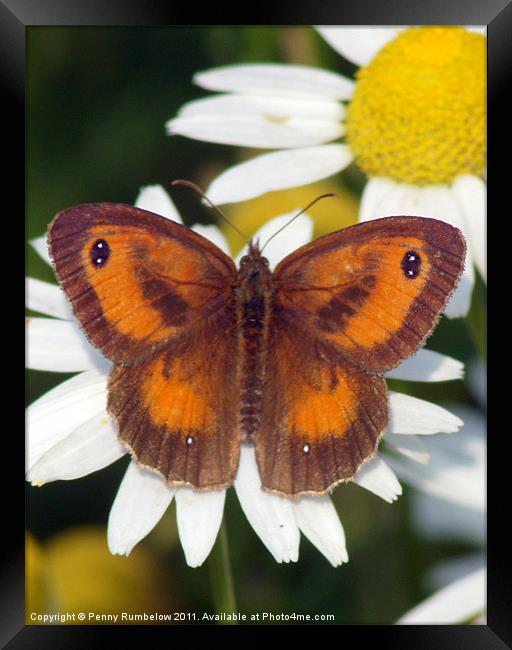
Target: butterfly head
(253, 265)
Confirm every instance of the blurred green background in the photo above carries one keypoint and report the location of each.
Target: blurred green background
(98, 99)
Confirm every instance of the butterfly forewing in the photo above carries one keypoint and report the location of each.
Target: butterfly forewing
(135, 279)
(374, 290)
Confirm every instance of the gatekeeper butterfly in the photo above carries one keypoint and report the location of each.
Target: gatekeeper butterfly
(207, 356)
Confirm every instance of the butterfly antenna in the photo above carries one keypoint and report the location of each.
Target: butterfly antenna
(198, 190)
(318, 198)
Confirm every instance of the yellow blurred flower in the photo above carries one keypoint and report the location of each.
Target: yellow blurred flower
(75, 572)
(35, 583)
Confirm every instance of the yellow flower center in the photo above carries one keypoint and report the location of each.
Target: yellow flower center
(418, 111)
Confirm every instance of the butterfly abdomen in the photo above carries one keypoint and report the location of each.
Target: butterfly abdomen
(254, 304)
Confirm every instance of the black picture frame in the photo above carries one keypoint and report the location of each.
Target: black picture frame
(15, 17)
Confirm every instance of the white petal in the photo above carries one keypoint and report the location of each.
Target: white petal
(412, 415)
(199, 515)
(439, 479)
(471, 193)
(277, 108)
(427, 365)
(63, 409)
(277, 171)
(263, 132)
(436, 519)
(40, 245)
(374, 194)
(88, 448)
(154, 198)
(295, 235)
(271, 516)
(456, 603)
(59, 346)
(47, 298)
(410, 446)
(358, 44)
(387, 198)
(214, 234)
(377, 477)
(281, 80)
(140, 503)
(318, 520)
(460, 302)
(456, 471)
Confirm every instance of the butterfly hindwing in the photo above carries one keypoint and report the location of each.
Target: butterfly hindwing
(135, 279)
(177, 412)
(374, 290)
(322, 417)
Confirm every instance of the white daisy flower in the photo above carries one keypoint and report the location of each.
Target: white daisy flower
(458, 584)
(413, 121)
(457, 602)
(70, 433)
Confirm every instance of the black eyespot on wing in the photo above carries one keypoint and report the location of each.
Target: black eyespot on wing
(411, 264)
(100, 252)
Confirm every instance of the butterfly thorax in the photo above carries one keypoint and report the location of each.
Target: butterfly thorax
(254, 304)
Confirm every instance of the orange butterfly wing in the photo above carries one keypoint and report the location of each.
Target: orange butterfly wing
(321, 418)
(178, 412)
(348, 307)
(374, 290)
(135, 279)
(156, 298)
